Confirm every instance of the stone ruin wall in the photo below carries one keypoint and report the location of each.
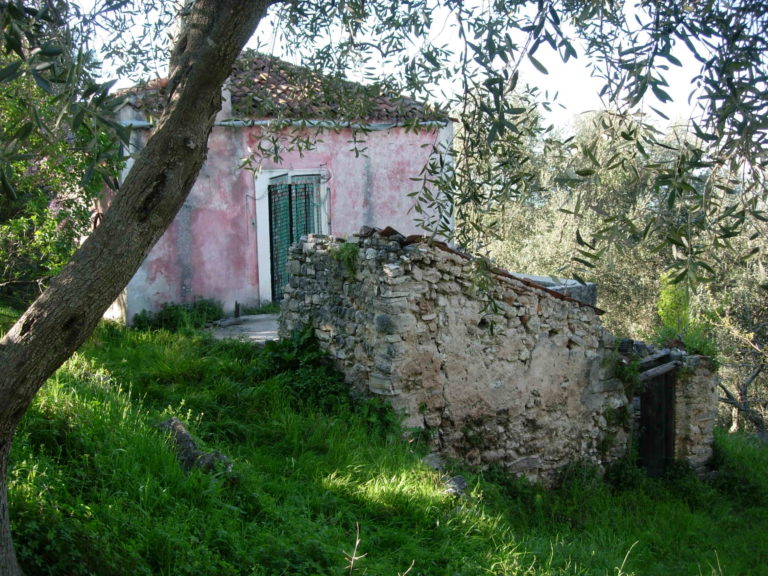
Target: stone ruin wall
(696, 400)
(526, 382)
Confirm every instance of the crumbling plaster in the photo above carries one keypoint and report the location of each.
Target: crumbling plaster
(213, 248)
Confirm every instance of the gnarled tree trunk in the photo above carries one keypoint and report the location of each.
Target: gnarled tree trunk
(56, 324)
(7, 556)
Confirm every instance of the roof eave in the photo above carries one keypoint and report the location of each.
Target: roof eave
(328, 124)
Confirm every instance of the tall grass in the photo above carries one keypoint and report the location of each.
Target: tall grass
(324, 486)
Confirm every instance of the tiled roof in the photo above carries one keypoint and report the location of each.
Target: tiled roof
(265, 87)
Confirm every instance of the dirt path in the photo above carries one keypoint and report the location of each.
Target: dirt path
(258, 328)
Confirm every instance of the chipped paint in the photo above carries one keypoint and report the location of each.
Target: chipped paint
(212, 250)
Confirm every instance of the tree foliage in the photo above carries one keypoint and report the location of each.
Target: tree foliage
(58, 145)
(49, 190)
(586, 186)
(403, 46)
(712, 176)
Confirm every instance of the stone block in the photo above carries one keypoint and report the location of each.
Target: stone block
(408, 325)
(322, 335)
(381, 384)
(392, 270)
(525, 464)
(391, 293)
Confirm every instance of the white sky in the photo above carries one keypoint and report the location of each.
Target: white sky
(579, 92)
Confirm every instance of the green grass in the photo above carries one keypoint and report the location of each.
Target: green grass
(322, 486)
(180, 317)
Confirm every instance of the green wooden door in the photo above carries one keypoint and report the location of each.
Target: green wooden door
(293, 212)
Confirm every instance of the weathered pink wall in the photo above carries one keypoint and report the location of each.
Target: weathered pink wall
(370, 188)
(211, 251)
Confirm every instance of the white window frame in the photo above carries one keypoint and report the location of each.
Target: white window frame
(264, 258)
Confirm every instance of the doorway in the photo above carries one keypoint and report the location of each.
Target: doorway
(657, 424)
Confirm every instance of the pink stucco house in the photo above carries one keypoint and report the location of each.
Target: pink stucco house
(229, 241)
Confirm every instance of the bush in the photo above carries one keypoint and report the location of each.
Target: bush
(315, 388)
(673, 306)
(305, 373)
(678, 323)
(381, 419)
(179, 317)
(301, 349)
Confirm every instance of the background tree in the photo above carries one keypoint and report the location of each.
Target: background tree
(48, 42)
(598, 188)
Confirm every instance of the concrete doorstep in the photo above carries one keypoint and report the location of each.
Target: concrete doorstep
(255, 328)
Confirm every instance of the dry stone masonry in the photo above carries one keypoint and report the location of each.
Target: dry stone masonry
(696, 411)
(689, 385)
(497, 369)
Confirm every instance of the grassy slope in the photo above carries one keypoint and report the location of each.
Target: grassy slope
(96, 488)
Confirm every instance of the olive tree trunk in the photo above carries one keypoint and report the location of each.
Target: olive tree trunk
(212, 35)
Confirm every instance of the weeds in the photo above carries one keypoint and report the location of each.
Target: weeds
(179, 317)
(268, 308)
(347, 254)
(742, 468)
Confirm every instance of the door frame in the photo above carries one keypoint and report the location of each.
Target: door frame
(263, 256)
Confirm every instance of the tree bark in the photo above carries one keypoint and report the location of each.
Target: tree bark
(735, 416)
(8, 563)
(59, 321)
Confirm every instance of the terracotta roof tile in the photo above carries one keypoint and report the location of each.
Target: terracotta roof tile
(265, 87)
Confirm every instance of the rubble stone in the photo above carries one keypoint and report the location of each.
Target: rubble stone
(514, 375)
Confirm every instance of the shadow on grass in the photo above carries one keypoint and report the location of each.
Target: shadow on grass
(96, 488)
